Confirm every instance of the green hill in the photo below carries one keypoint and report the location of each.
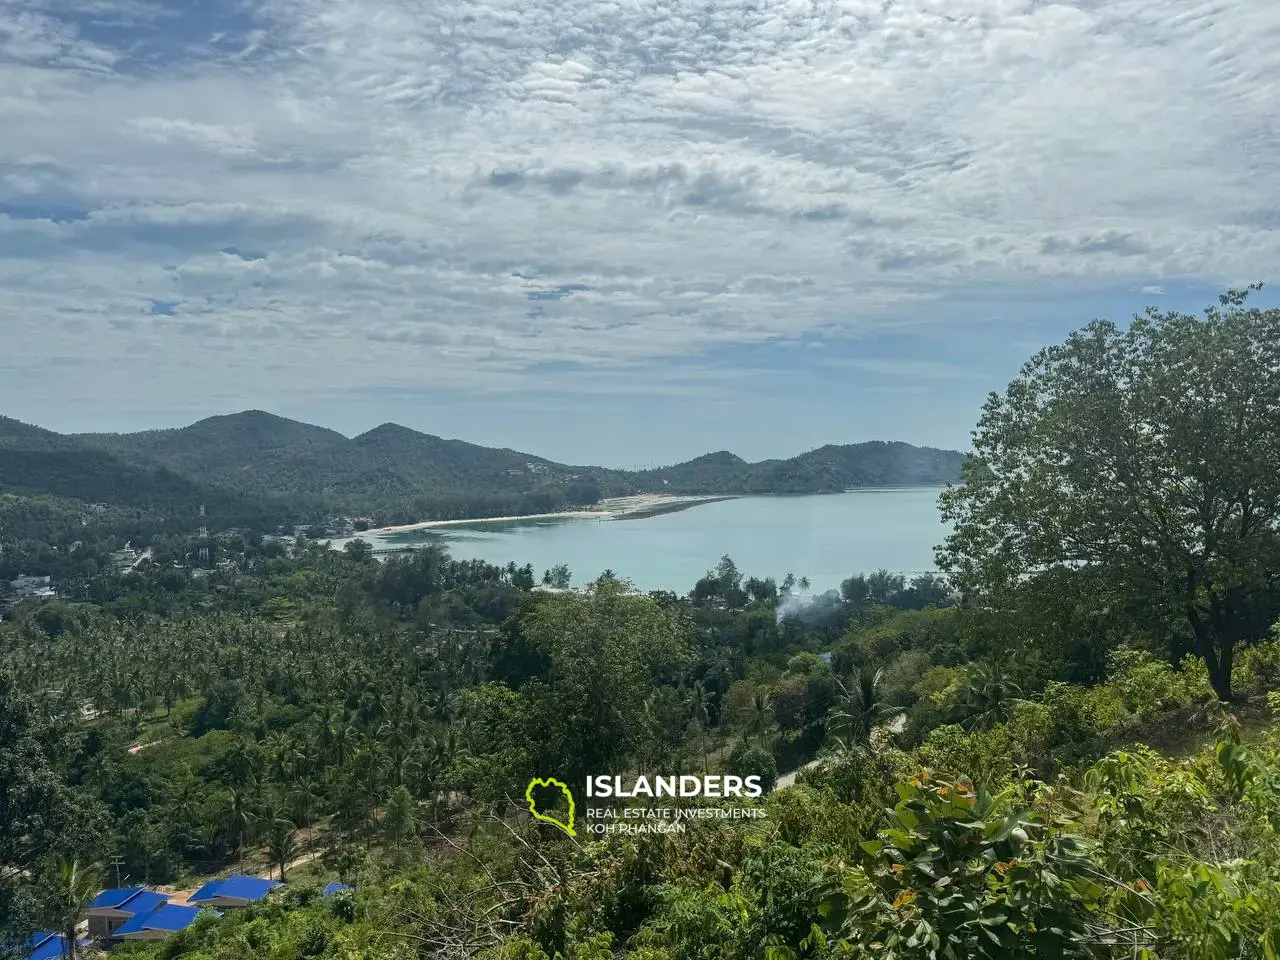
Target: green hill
(829, 469)
(225, 461)
(38, 461)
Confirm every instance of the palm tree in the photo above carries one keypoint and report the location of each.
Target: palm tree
(280, 841)
(761, 714)
(990, 695)
(803, 583)
(696, 704)
(77, 885)
(861, 707)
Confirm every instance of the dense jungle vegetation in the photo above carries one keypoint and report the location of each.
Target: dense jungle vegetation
(1063, 748)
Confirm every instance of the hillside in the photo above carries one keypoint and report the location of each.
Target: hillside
(255, 454)
(243, 450)
(828, 469)
(38, 461)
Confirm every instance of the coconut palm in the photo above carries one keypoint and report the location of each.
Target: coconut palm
(990, 695)
(861, 707)
(76, 886)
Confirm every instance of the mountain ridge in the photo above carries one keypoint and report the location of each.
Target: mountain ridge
(257, 454)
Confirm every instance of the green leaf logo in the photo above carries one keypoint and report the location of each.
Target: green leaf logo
(546, 817)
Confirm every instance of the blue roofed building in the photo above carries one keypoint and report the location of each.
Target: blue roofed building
(336, 887)
(161, 922)
(234, 891)
(111, 909)
(47, 945)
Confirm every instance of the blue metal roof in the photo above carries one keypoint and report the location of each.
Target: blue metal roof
(235, 888)
(207, 892)
(170, 917)
(335, 887)
(114, 899)
(132, 900)
(144, 902)
(47, 946)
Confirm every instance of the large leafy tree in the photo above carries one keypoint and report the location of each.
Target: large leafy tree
(41, 817)
(1144, 458)
(604, 654)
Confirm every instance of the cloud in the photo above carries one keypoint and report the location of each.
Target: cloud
(462, 192)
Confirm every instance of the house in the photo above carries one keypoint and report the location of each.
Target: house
(47, 945)
(234, 891)
(111, 909)
(124, 559)
(336, 887)
(33, 587)
(161, 922)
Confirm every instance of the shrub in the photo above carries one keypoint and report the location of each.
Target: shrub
(752, 760)
(1257, 668)
(960, 873)
(1148, 686)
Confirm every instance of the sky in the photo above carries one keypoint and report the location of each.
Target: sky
(622, 232)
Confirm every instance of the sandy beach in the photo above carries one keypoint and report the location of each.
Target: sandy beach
(429, 524)
(615, 508)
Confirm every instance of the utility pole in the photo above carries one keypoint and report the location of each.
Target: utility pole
(117, 862)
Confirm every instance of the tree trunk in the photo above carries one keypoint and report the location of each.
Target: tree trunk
(1219, 658)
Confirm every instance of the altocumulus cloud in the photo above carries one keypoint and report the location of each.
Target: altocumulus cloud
(457, 193)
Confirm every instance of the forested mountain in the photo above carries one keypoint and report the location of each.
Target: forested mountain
(37, 461)
(395, 471)
(828, 469)
(233, 450)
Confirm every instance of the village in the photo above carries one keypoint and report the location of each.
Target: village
(123, 914)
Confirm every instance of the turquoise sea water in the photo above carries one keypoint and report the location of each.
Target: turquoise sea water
(825, 538)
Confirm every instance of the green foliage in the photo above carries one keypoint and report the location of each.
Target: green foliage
(752, 760)
(1141, 461)
(959, 873)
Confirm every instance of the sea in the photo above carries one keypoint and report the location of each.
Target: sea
(826, 538)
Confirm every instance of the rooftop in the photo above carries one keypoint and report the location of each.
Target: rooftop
(169, 917)
(235, 887)
(133, 900)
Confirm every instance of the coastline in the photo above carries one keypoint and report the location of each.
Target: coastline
(672, 505)
(431, 524)
(635, 507)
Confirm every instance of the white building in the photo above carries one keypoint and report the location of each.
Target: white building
(33, 587)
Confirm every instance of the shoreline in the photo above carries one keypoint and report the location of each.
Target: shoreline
(634, 507)
(431, 524)
(638, 506)
(671, 506)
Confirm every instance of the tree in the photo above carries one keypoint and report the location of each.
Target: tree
(558, 577)
(1145, 457)
(358, 551)
(76, 885)
(604, 653)
(989, 695)
(398, 824)
(860, 707)
(41, 817)
(281, 834)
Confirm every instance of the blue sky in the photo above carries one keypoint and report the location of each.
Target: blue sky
(608, 232)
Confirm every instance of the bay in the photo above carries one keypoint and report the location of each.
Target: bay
(826, 538)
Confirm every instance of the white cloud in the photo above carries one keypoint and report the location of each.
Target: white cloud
(447, 193)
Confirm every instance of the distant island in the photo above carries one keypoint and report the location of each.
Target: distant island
(255, 467)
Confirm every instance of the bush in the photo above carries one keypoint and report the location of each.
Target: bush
(1149, 686)
(753, 760)
(1257, 668)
